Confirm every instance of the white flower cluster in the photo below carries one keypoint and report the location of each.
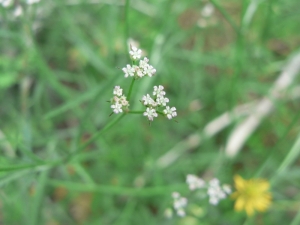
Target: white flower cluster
(179, 204)
(212, 189)
(143, 69)
(157, 104)
(215, 192)
(157, 101)
(119, 101)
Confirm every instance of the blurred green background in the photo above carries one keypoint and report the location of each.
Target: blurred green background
(59, 63)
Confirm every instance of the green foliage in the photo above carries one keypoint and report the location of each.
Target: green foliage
(63, 160)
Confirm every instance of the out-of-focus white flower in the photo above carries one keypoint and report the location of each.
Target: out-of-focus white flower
(207, 10)
(214, 182)
(179, 204)
(181, 212)
(212, 189)
(175, 195)
(6, 3)
(18, 11)
(216, 192)
(30, 2)
(194, 182)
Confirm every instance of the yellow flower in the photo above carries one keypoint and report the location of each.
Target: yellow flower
(251, 195)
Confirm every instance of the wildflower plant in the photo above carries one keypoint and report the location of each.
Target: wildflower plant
(212, 190)
(251, 195)
(155, 104)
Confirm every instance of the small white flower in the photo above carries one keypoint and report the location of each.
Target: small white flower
(168, 213)
(139, 72)
(135, 53)
(118, 91)
(162, 101)
(180, 212)
(214, 182)
(151, 113)
(123, 101)
(175, 195)
(170, 112)
(149, 70)
(148, 100)
(179, 203)
(144, 63)
(116, 99)
(129, 71)
(117, 108)
(183, 202)
(215, 192)
(158, 91)
(207, 10)
(194, 182)
(18, 11)
(213, 201)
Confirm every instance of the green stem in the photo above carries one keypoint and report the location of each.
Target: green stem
(126, 28)
(136, 112)
(94, 137)
(161, 113)
(278, 145)
(290, 157)
(70, 156)
(130, 89)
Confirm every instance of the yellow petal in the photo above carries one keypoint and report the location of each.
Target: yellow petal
(239, 182)
(239, 204)
(249, 209)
